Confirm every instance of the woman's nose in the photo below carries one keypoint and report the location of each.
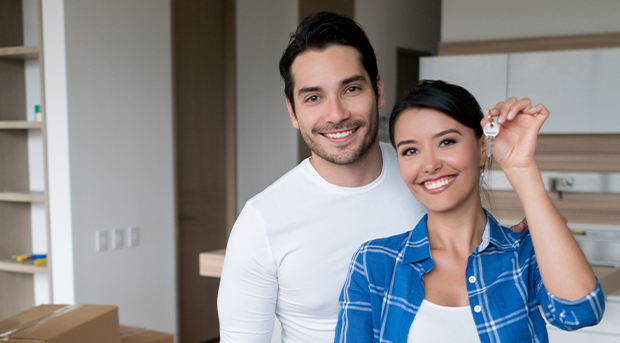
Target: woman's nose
(432, 162)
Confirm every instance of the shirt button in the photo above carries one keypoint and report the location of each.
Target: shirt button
(477, 308)
(472, 279)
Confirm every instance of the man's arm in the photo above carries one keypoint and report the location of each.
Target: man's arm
(248, 290)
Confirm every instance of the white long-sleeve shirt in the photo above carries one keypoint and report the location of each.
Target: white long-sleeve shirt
(290, 249)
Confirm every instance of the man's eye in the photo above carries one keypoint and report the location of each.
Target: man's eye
(312, 98)
(352, 89)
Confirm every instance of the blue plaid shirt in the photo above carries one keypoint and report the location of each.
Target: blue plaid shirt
(385, 288)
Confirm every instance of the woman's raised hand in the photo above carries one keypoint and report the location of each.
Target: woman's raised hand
(515, 145)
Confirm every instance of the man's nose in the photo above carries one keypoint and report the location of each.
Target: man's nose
(337, 112)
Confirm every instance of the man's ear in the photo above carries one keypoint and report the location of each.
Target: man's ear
(291, 113)
(380, 94)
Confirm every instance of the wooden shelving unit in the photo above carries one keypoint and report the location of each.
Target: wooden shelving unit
(20, 52)
(22, 196)
(24, 218)
(20, 125)
(22, 267)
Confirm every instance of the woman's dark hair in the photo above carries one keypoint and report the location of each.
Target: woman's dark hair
(319, 31)
(453, 100)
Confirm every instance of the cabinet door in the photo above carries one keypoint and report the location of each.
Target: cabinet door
(579, 87)
(483, 75)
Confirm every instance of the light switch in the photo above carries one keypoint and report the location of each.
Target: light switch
(101, 241)
(118, 238)
(133, 236)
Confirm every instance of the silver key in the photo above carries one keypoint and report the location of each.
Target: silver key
(491, 129)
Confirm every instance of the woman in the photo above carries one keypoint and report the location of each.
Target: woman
(459, 276)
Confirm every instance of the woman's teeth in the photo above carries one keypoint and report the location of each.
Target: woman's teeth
(438, 183)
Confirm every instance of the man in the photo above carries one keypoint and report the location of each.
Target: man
(291, 246)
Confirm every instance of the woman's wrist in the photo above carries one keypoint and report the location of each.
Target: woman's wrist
(524, 177)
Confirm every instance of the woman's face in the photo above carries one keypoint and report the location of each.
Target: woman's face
(439, 159)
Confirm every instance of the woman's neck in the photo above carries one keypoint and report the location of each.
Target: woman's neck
(459, 230)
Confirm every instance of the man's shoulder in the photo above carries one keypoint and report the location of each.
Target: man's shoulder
(286, 184)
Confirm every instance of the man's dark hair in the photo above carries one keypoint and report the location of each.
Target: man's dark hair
(319, 31)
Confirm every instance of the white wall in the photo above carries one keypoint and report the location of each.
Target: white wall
(61, 229)
(118, 122)
(500, 19)
(266, 140)
(390, 24)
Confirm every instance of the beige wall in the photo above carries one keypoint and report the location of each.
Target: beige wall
(500, 19)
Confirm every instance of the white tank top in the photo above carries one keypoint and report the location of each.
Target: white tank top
(438, 324)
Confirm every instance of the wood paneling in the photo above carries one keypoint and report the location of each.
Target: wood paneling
(587, 153)
(586, 208)
(16, 289)
(595, 153)
(592, 41)
(14, 160)
(12, 90)
(11, 28)
(204, 98)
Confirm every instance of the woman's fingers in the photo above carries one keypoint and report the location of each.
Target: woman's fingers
(510, 109)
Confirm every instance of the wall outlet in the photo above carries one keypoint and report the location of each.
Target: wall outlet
(101, 241)
(118, 238)
(133, 236)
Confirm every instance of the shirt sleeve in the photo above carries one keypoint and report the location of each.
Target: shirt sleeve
(248, 290)
(355, 317)
(570, 315)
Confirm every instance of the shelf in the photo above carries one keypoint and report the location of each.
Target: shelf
(22, 267)
(211, 263)
(20, 125)
(20, 52)
(22, 196)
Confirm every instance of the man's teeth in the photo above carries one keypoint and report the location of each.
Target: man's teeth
(339, 134)
(438, 183)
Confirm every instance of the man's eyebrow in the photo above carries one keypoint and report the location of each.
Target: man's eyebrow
(444, 132)
(342, 83)
(308, 90)
(352, 79)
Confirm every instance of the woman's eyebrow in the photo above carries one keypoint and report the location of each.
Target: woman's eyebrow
(410, 141)
(445, 132)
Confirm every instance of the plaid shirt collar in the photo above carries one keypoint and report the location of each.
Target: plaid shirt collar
(417, 248)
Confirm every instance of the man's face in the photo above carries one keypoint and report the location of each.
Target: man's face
(336, 109)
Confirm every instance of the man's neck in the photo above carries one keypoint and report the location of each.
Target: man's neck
(357, 174)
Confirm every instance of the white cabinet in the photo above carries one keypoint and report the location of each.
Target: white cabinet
(485, 76)
(580, 87)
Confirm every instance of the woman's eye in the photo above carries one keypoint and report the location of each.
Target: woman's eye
(447, 142)
(409, 152)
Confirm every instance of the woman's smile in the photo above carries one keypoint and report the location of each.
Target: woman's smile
(438, 185)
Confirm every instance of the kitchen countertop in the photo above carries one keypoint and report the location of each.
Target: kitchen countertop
(212, 262)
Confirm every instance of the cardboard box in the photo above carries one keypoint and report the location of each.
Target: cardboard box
(134, 334)
(62, 324)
